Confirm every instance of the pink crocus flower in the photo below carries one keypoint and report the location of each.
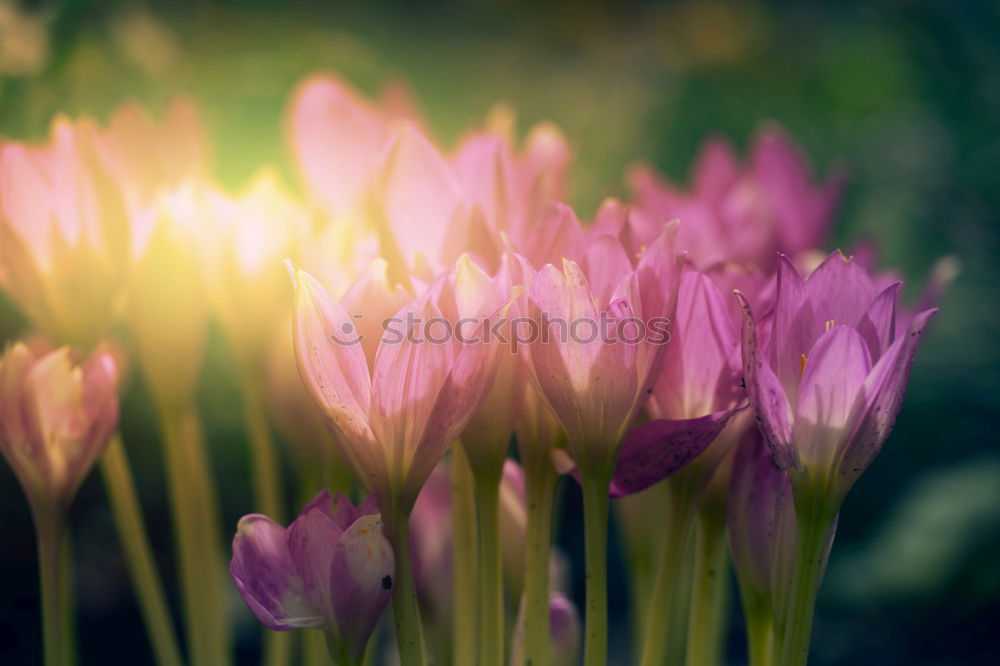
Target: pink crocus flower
(63, 233)
(331, 569)
(397, 420)
(828, 384)
(741, 212)
(56, 417)
(592, 367)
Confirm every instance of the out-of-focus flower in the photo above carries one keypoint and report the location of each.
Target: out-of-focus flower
(56, 416)
(24, 40)
(252, 234)
(332, 569)
(168, 303)
(397, 421)
(827, 385)
(742, 213)
(564, 629)
(63, 233)
(696, 395)
(146, 156)
(590, 362)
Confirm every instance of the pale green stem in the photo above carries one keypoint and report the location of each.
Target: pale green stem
(595, 523)
(760, 635)
(128, 518)
(68, 600)
(405, 609)
(709, 591)
(48, 531)
(662, 619)
(813, 525)
(196, 526)
(266, 469)
(465, 560)
(491, 608)
(314, 648)
(539, 487)
(337, 652)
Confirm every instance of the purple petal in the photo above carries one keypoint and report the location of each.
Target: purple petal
(266, 578)
(878, 324)
(767, 397)
(793, 327)
(878, 402)
(655, 450)
(835, 369)
(311, 540)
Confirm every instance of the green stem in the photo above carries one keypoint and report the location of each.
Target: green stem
(405, 610)
(266, 468)
(595, 523)
(138, 554)
(662, 619)
(196, 526)
(49, 530)
(68, 600)
(760, 634)
(465, 559)
(491, 608)
(313, 648)
(813, 524)
(539, 487)
(709, 591)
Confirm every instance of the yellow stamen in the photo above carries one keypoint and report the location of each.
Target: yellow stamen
(829, 325)
(802, 364)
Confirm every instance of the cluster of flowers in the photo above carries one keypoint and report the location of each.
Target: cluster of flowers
(772, 381)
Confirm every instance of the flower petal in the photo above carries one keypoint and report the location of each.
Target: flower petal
(878, 402)
(767, 397)
(312, 539)
(655, 450)
(835, 369)
(266, 578)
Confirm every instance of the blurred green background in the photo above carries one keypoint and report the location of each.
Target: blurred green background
(906, 94)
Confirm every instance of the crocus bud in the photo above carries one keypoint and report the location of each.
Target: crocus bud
(55, 419)
(564, 631)
(331, 569)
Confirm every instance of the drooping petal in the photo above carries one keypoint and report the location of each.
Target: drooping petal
(655, 450)
(362, 576)
(265, 575)
(835, 369)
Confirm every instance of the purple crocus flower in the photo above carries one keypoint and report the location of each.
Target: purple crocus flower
(332, 569)
(828, 382)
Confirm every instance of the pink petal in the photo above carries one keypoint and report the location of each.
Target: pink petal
(312, 539)
(835, 369)
(878, 324)
(767, 397)
(878, 402)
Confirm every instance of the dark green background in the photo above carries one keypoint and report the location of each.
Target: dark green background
(906, 94)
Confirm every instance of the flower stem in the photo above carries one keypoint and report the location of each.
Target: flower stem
(709, 592)
(138, 554)
(760, 634)
(405, 610)
(595, 524)
(196, 526)
(48, 529)
(465, 559)
(266, 470)
(662, 619)
(491, 609)
(813, 525)
(539, 487)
